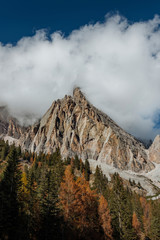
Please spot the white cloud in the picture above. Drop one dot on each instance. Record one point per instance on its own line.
(117, 65)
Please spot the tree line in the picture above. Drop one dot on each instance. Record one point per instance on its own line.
(45, 197)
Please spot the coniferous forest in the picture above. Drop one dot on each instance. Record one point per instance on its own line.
(43, 197)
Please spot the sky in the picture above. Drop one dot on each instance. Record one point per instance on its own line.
(19, 19)
(111, 49)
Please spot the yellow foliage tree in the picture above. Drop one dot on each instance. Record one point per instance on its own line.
(24, 189)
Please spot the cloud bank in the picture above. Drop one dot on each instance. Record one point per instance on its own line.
(116, 64)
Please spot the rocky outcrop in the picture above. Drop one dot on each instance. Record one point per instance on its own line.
(76, 127)
(154, 150)
(3, 120)
(10, 126)
(14, 129)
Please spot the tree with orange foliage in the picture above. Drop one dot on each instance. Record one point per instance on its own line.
(146, 215)
(87, 209)
(136, 225)
(105, 218)
(68, 195)
(79, 204)
(31, 160)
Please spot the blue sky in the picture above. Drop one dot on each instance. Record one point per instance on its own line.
(114, 59)
(23, 18)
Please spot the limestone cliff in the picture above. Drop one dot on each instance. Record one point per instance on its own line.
(154, 150)
(76, 127)
(10, 126)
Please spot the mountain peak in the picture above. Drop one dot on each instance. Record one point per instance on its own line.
(75, 126)
(78, 96)
(77, 90)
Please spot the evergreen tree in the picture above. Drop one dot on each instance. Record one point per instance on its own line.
(56, 156)
(19, 151)
(100, 182)
(87, 170)
(121, 210)
(81, 166)
(5, 151)
(155, 221)
(32, 202)
(77, 162)
(9, 198)
(32, 207)
(48, 200)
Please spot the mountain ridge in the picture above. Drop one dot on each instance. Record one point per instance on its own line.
(75, 126)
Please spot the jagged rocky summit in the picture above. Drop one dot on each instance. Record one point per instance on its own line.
(74, 126)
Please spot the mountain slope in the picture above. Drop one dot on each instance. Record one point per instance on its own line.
(76, 127)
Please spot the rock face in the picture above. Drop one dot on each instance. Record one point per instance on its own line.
(9, 126)
(74, 126)
(154, 150)
(3, 120)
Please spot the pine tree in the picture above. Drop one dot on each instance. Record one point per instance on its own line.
(87, 170)
(32, 206)
(121, 210)
(77, 163)
(5, 151)
(81, 166)
(58, 173)
(19, 151)
(47, 194)
(9, 198)
(155, 220)
(100, 182)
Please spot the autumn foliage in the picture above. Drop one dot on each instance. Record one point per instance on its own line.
(50, 199)
(146, 215)
(87, 205)
(136, 225)
(105, 218)
(68, 195)
(78, 201)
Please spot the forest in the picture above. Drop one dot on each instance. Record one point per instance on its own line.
(44, 197)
